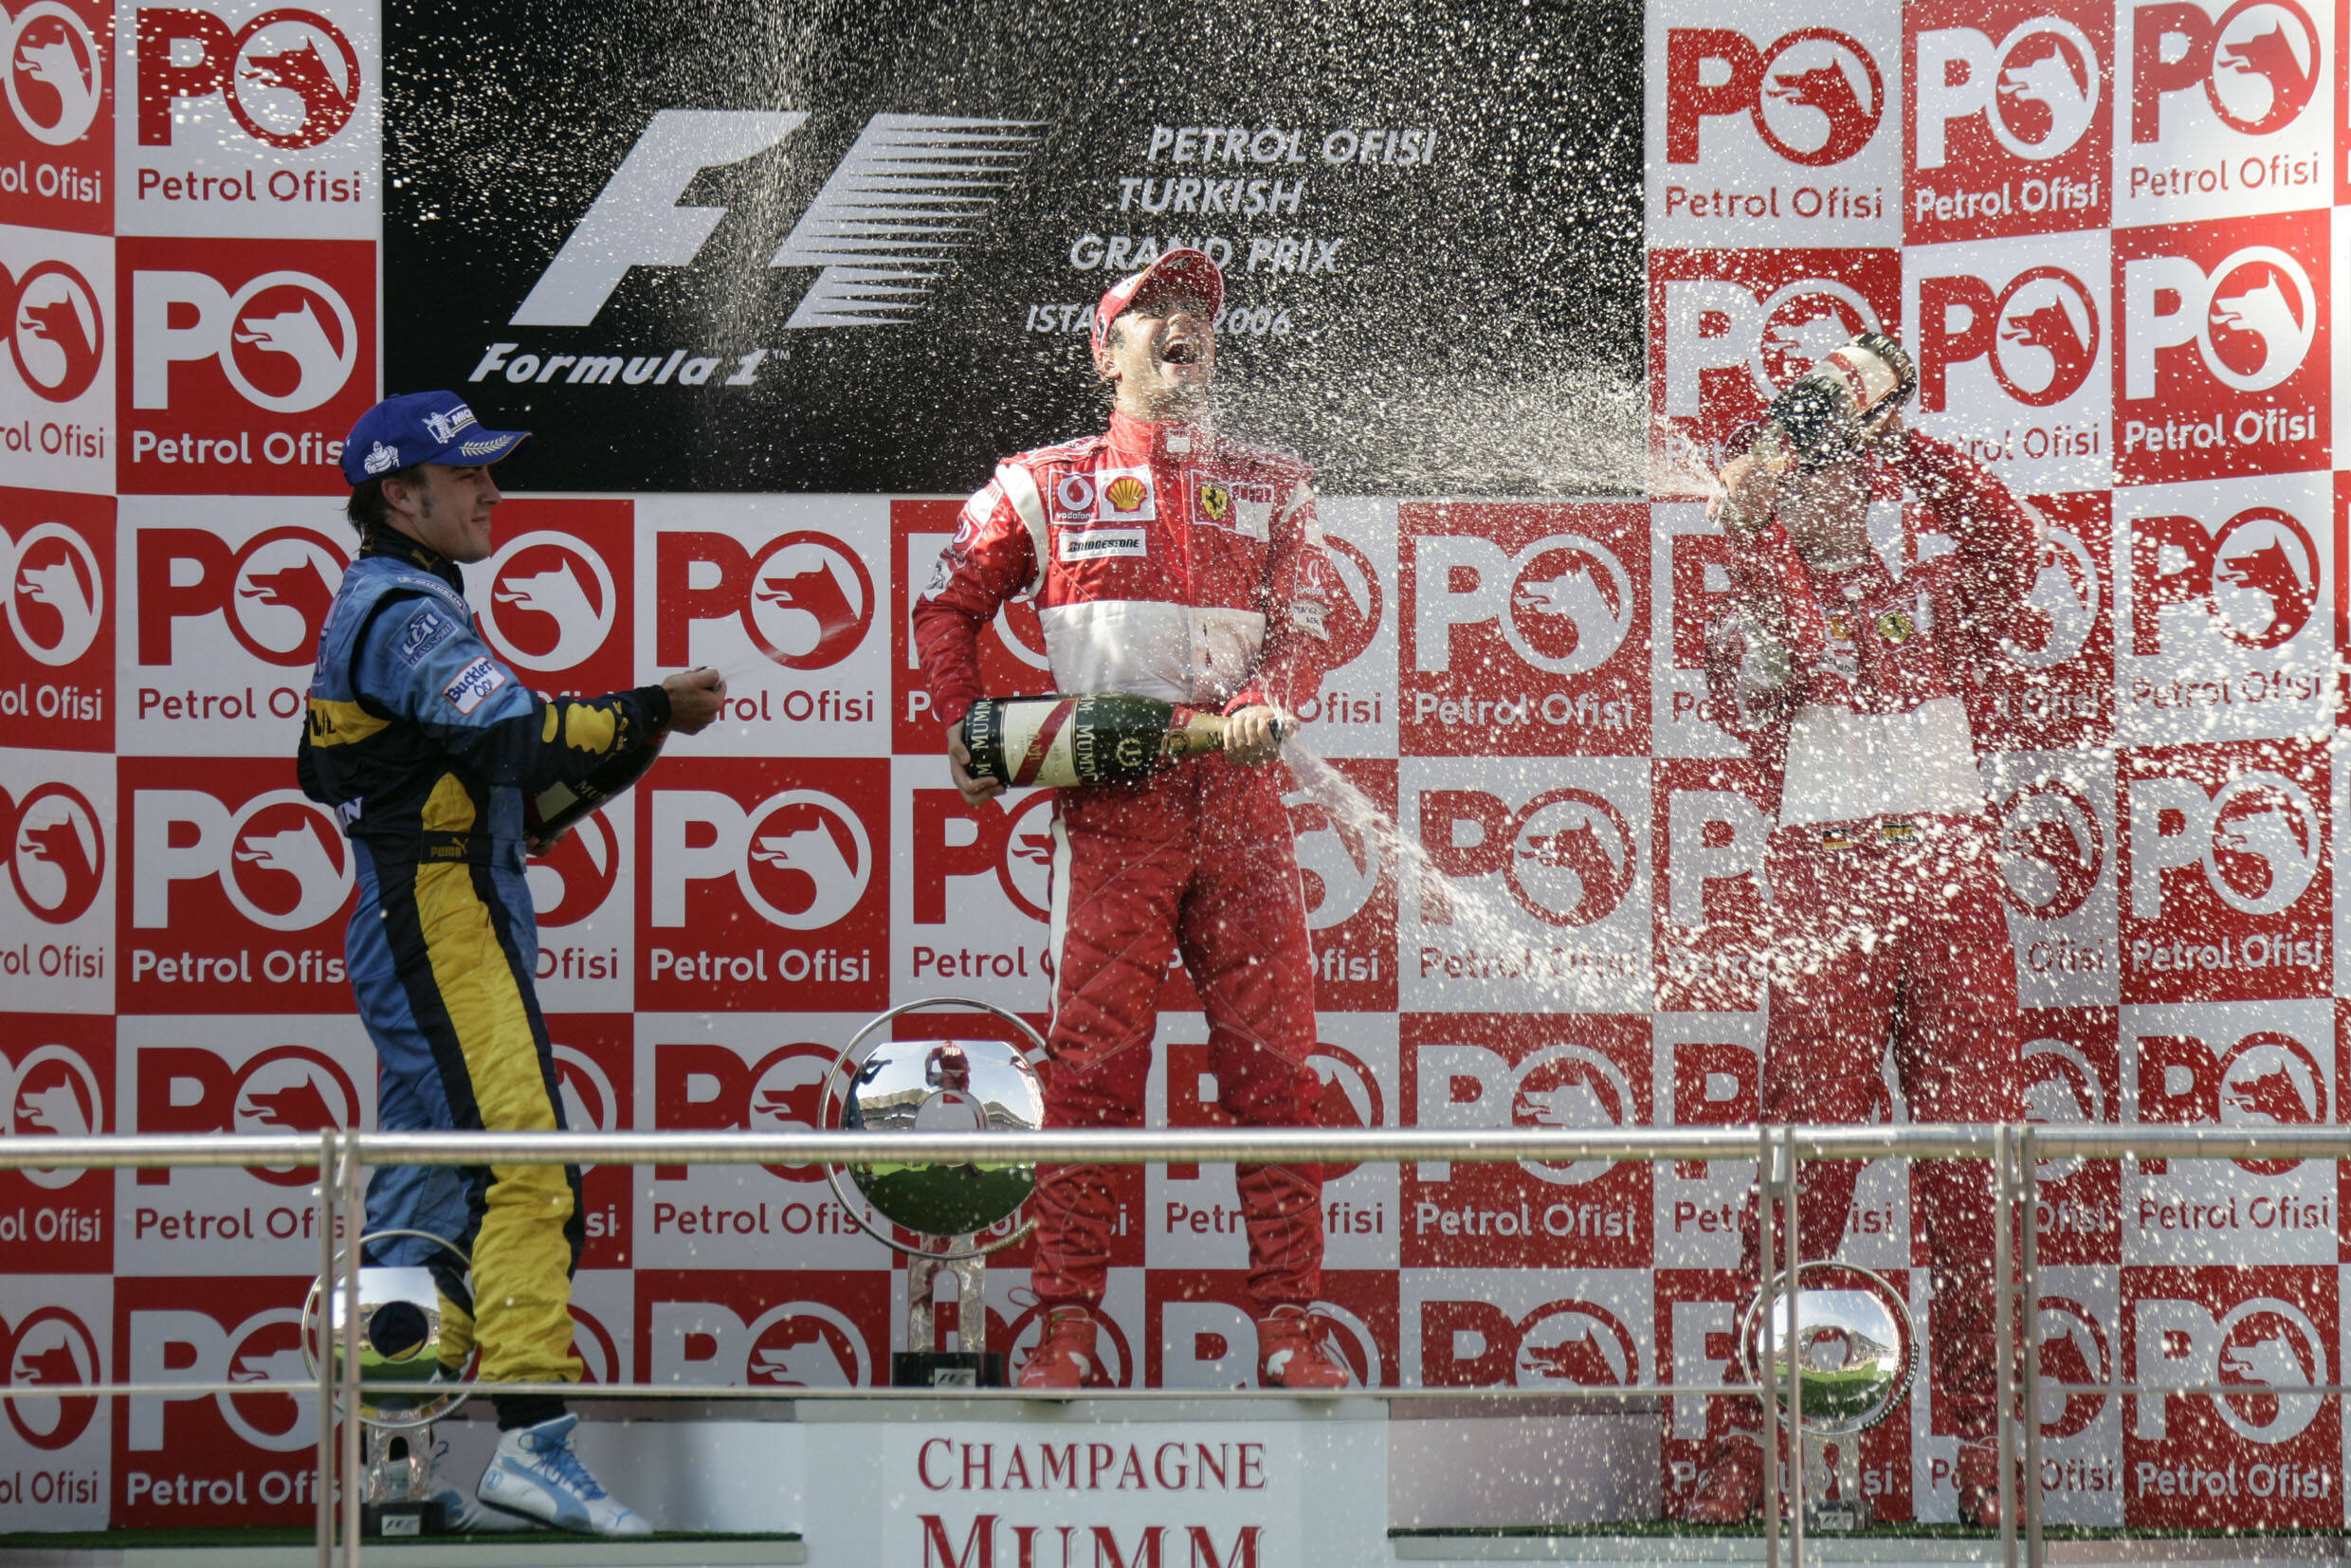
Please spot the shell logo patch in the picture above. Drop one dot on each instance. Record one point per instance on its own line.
(1216, 500)
(1125, 493)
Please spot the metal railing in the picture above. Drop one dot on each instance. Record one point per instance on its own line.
(2014, 1150)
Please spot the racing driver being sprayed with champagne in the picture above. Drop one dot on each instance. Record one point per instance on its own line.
(1858, 692)
(1170, 562)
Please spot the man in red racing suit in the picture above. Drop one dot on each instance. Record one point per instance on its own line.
(1164, 561)
(1854, 692)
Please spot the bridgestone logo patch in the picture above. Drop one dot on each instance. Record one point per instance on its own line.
(1087, 545)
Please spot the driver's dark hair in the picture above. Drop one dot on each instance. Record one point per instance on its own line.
(366, 508)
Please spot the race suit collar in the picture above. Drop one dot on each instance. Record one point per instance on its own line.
(1153, 437)
(384, 539)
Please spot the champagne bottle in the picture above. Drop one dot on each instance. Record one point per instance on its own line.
(556, 810)
(1060, 741)
(1820, 419)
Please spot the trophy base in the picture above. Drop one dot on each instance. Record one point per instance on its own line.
(947, 1369)
(404, 1521)
(1835, 1517)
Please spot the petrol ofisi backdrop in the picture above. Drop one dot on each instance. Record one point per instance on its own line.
(773, 285)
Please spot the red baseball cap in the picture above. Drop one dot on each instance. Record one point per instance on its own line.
(1190, 269)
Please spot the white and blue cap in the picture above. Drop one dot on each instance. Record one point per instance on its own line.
(428, 427)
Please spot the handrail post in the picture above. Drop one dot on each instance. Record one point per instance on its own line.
(354, 1225)
(2004, 1328)
(2029, 1174)
(329, 1180)
(1765, 1178)
(1792, 1221)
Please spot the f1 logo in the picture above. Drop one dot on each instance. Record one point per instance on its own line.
(898, 160)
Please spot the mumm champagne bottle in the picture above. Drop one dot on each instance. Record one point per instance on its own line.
(1822, 416)
(1060, 741)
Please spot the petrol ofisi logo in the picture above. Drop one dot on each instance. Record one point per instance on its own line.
(234, 892)
(243, 359)
(2009, 130)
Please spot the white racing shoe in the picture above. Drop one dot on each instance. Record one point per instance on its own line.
(465, 1512)
(536, 1474)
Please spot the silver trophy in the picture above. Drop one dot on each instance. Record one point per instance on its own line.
(956, 1214)
(1858, 1352)
(403, 1334)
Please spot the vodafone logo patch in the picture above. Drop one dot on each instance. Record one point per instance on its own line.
(289, 77)
(57, 330)
(57, 851)
(54, 591)
(55, 72)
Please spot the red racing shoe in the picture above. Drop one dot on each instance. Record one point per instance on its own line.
(1975, 1476)
(1064, 1354)
(1291, 1354)
(1730, 1487)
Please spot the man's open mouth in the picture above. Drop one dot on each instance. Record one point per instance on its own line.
(1181, 352)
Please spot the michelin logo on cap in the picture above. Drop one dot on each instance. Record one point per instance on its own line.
(383, 460)
(447, 423)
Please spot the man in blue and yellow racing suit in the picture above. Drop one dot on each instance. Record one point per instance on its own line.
(424, 745)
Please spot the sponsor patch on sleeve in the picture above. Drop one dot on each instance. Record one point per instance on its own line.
(426, 629)
(1252, 511)
(1093, 544)
(474, 684)
(1309, 616)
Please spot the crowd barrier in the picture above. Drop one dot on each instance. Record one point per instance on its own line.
(2014, 1150)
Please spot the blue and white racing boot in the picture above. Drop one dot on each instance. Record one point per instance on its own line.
(536, 1474)
(465, 1513)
